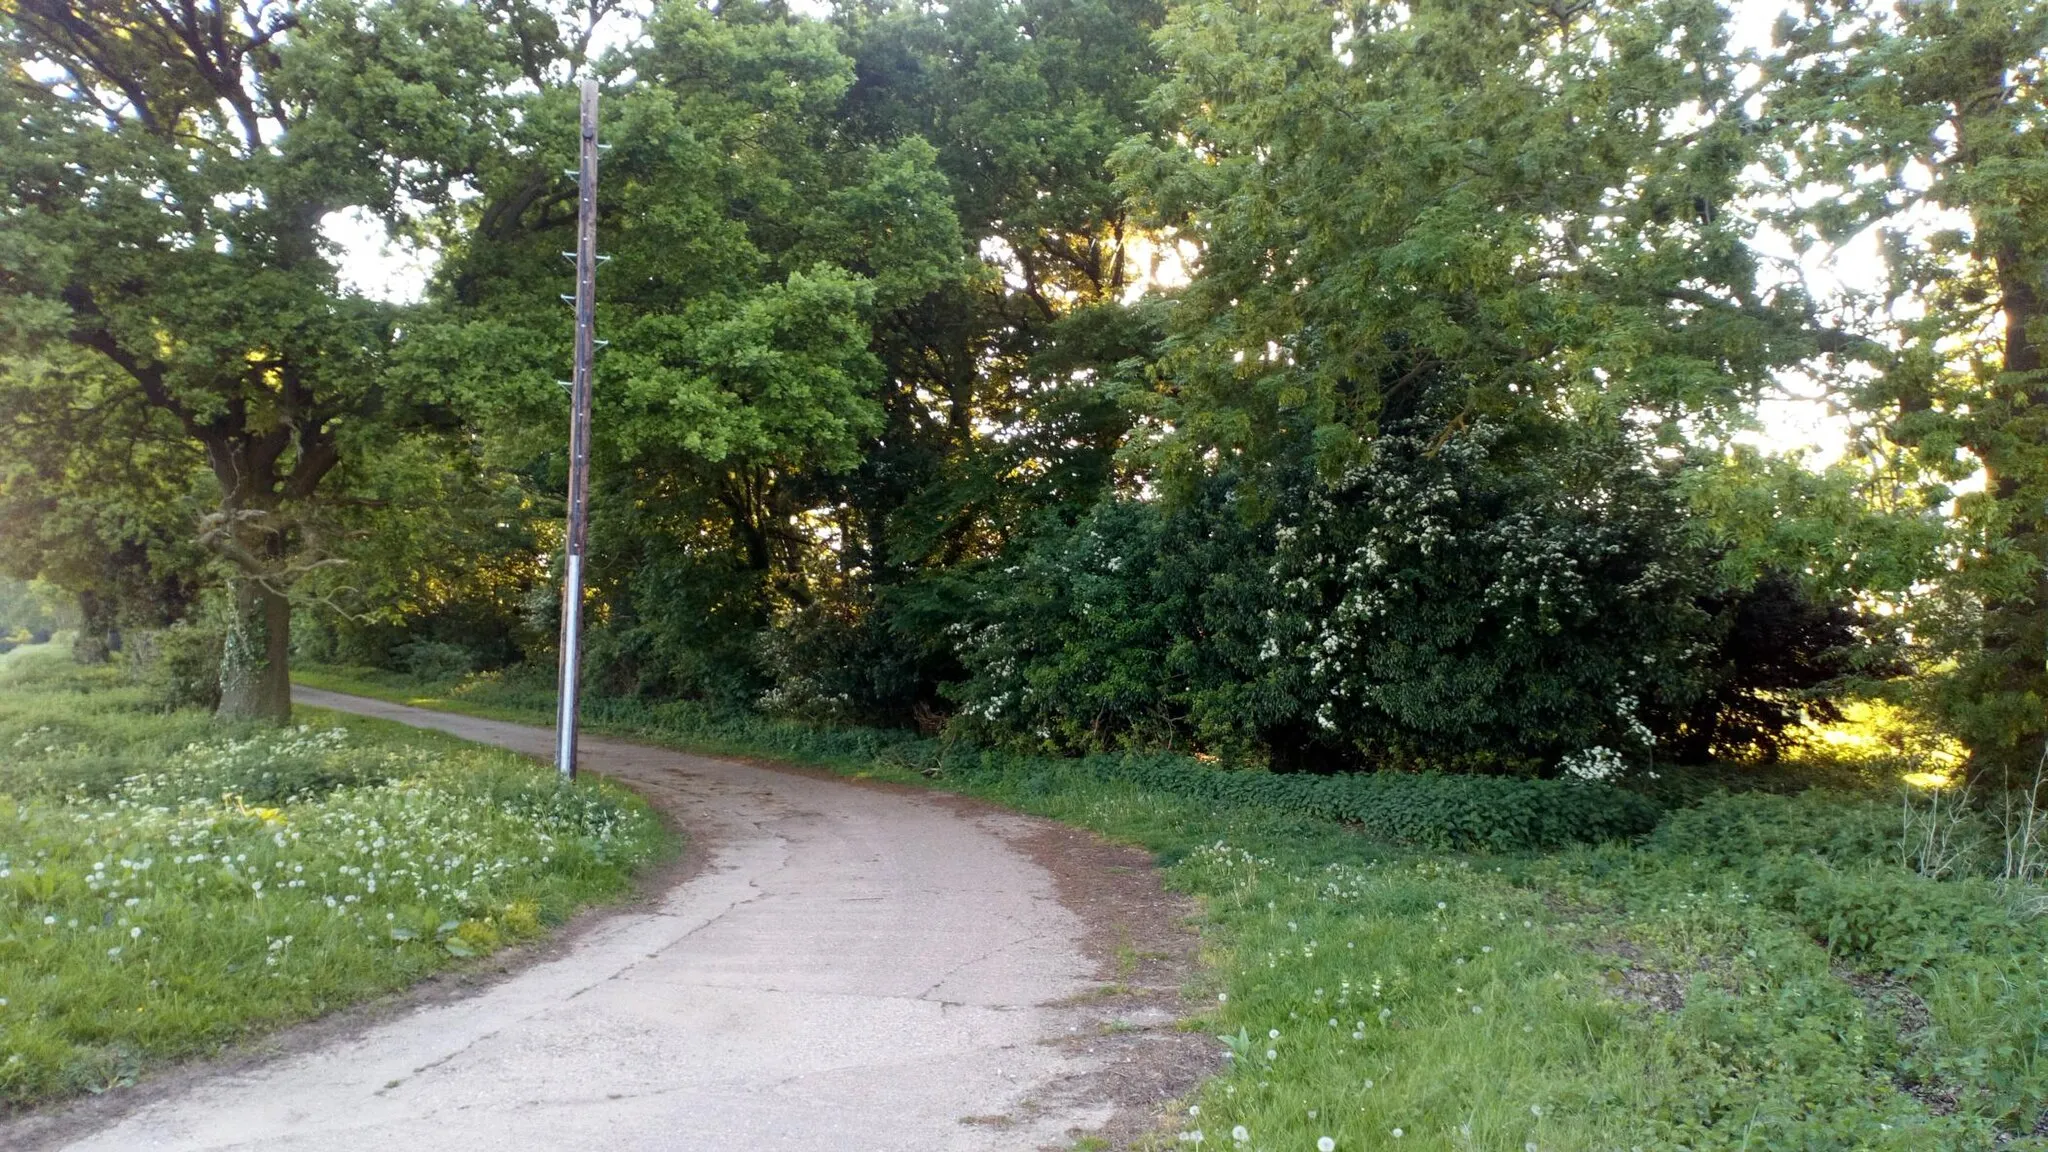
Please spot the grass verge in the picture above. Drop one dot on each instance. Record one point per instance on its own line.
(168, 885)
(1760, 973)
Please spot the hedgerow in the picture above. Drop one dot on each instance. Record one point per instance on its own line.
(1431, 810)
(1423, 809)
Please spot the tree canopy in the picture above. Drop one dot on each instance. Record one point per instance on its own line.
(1323, 386)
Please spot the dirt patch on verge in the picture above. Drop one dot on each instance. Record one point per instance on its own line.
(1638, 981)
(1890, 998)
(1139, 937)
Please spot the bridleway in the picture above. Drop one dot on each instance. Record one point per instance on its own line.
(853, 967)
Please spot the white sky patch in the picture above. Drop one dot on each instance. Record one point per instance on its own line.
(1800, 418)
(372, 264)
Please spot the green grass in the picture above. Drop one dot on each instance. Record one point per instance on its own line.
(168, 885)
(1759, 974)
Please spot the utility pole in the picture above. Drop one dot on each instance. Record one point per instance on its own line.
(579, 440)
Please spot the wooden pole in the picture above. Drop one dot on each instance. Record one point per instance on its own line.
(579, 441)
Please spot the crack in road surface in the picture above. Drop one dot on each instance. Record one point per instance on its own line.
(857, 969)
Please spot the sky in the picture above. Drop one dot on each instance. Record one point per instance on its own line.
(375, 266)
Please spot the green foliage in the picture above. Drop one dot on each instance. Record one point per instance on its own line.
(28, 608)
(834, 661)
(755, 249)
(1498, 599)
(1930, 125)
(1105, 633)
(1780, 658)
(111, 529)
(1424, 809)
(165, 282)
(1535, 204)
(433, 661)
(1818, 948)
(1529, 601)
(179, 667)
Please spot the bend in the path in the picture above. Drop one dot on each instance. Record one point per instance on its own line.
(854, 968)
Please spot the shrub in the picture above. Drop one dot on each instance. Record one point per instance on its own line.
(1839, 866)
(835, 659)
(433, 661)
(1083, 640)
(1514, 598)
(1780, 654)
(1736, 830)
(179, 667)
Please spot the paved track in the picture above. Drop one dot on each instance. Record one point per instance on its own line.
(854, 968)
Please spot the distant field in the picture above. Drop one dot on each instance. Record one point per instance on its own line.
(1762, 972)
(168, 885)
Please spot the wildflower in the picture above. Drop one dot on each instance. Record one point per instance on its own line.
(135, 933)
(1239, 1133)
(1325, 1144)
(1397, 1133)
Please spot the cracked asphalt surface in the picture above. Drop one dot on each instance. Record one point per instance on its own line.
(853, 968)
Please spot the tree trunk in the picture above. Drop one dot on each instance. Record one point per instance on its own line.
(255, 663)
(2014, 454)
(95, 626)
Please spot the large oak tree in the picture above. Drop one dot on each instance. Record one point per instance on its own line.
(165, 172)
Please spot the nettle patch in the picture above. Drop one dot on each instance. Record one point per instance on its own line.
(1497, 1003)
